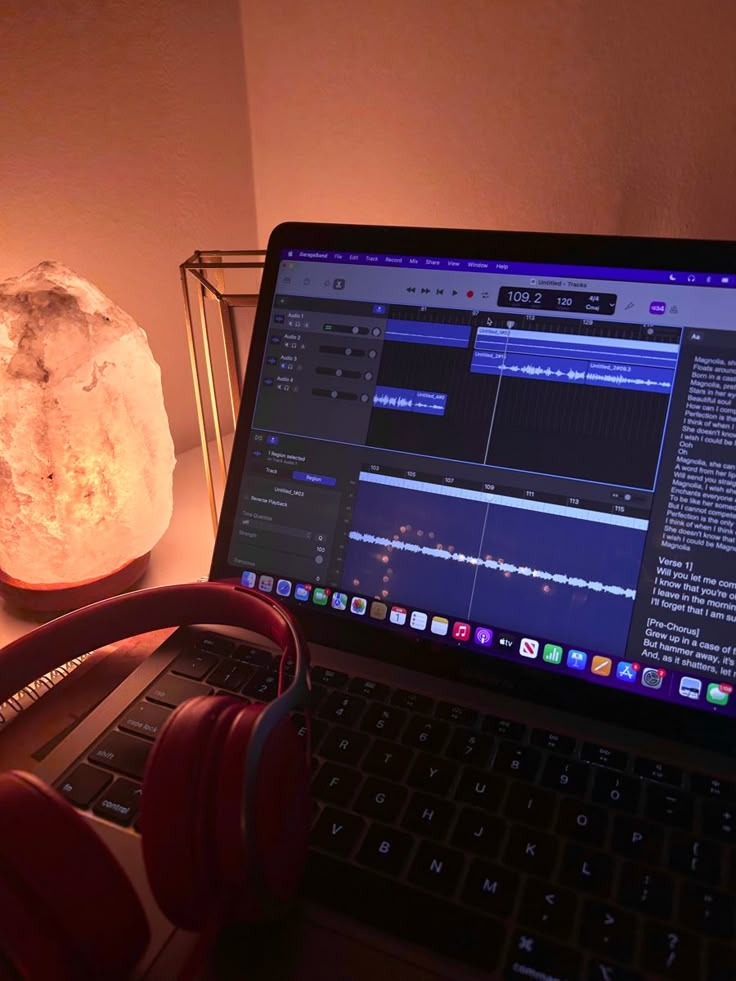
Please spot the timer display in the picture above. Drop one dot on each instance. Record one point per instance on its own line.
(567, 301)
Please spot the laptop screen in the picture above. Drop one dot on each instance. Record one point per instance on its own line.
(512, 458)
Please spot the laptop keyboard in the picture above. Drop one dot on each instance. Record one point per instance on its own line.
(523, 852)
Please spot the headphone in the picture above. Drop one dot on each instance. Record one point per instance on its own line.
(224, 811)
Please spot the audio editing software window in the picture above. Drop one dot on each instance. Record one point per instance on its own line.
(500, 466)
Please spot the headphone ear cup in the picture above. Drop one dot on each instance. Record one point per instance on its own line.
(68, 909)
(264, 871)
(177, 808)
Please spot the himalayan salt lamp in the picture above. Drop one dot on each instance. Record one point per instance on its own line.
(86, 456)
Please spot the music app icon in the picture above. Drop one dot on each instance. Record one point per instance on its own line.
(461, 631)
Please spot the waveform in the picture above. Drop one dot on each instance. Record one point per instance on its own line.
(588, 376)
(399, 402)
(506, 567)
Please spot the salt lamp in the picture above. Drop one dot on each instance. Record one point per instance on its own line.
(86, 456)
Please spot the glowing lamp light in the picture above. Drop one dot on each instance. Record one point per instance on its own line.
(86, 456)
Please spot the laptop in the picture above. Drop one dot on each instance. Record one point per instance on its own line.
(494, 476)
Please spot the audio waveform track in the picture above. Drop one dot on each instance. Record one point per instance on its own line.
(537, 573)
(497, 566)
(558, 369)
(407, 400)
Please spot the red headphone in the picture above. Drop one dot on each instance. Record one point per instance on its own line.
(224, 810)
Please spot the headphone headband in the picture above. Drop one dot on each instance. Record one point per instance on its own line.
(53, 644)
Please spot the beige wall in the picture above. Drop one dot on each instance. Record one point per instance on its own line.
(124, 145)
(568, 115)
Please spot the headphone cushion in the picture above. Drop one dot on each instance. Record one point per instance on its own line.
(65, 883)
(177, 809)
(264, 872)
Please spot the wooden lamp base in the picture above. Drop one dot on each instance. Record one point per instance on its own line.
(61, 597)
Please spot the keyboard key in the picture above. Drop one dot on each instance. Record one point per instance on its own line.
(713, 787)
(433, 774)
(645, 891)
(120, 803)
(546, 907)
(675, 807)
(637, 839)
(121, 752)
(455, 713)
(194, 664)
(263, 685)
(470, 747)
(383, 720)
(503, 727)
(671, 952)
(336, 784)
(521, 762)
(530, 805)
(144, 719)
(490, 888)
(608, 931)
(387, 760)
(412, 700)
(329, 677)
(385, 849)
(604, 970)
(436, 868)
(344, 745)
(215, 644)
(339, 707)
(172, 691)
(427, 734)
(478, 832)
(318, 729)
(337, 831)
(604, 756)
(411, 914)
(83, 785)
(255, 656)
(428, 816)
(480, 788)
(372, 690)
(544, 739)
(587, 870)
(584, 822)
(697, 859)
(566, 775)
(615, 790)
(719, 820)
(706, 909)
(659, 772)
(380, 799)
(533, 956)
(531, 851)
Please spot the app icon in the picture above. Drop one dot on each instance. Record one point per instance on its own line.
(461, 631)
(398, 615)
(528, 647)
(690, 687)
(266, 584)
(248, 579)
(718, 694)
(339, 601)
(625, 671)
(321, 597)
(283, 587)
(505, 641)
(652, 677)
(439, 626)
(552, 654)
(302, 591)
(378, 610)
(577, 660)
(483, 636)
(358, 606)
(418, 620)
(601, 666)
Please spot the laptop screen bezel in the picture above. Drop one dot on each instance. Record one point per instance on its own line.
(679, 723)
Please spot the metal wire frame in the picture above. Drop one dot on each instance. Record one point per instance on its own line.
(202, 277)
